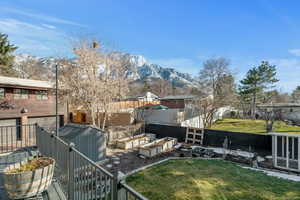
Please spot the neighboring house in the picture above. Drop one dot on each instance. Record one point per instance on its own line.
(287, 111)
(149, 96)
(176, 102)
(24, 101)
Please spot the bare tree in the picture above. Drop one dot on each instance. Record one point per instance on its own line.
(213, 70)
(204, 109)
(269, 114)
(95, 79)
(216, 89)
(31, 68)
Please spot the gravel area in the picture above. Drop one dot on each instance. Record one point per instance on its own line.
(126, 161)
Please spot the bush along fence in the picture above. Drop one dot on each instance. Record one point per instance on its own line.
(244, 141)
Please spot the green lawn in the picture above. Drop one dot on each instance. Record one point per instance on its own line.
(192, 179)
(252, 126)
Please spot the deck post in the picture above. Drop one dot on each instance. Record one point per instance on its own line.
(299, 153)
(115, 183)
(71, 168)
(282, 147)
(287, 152)
(275, 148)
(293, 148)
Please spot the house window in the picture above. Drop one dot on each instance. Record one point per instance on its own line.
(21, 94)
(41, 95)
(2, 93)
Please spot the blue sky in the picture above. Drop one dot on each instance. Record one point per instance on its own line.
(173, 33)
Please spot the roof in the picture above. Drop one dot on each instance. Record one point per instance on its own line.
(146, 95)
(154, 107)
(71, 131)
(280, 105)
(173, 97)
(10, 81)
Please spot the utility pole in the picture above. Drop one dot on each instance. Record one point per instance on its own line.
(56, 100)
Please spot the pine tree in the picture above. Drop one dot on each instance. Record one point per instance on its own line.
(296, 95)
(6, 57)
(257, 80)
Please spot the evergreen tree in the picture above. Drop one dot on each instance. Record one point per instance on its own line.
(296, 95)
(6, 57)
(257, 80)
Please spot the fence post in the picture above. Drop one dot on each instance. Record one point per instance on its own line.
(71, 173)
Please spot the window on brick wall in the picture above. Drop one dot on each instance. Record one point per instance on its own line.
(21, 94)
(2, 93)
(41, 94)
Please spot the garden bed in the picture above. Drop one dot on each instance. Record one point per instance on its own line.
(210, 179)
(133, 142)
(157, 147)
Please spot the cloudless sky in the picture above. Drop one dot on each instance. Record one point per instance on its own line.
(173, 33)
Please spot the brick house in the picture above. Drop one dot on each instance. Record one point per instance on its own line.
(24, 101)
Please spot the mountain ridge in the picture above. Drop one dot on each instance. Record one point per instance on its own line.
(141, 71)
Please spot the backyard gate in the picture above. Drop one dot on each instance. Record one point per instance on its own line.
(286, 151)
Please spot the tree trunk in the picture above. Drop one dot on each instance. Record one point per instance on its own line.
(104, 121)
(93, 116)
(269, 126)
(253, 110)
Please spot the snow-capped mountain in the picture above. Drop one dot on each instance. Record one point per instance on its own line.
(142, 70)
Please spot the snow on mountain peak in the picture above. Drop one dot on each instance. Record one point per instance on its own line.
(138, 60)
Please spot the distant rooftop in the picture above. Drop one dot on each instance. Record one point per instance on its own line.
(178, 97)
(280, 105)
(147, 95)
(10, 81)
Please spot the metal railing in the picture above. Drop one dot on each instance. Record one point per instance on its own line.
(17, 137)
(127, 193)
(79, 176)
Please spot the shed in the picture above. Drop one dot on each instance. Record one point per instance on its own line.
(87, 139)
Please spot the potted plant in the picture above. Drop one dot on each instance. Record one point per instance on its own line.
(29, 178)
